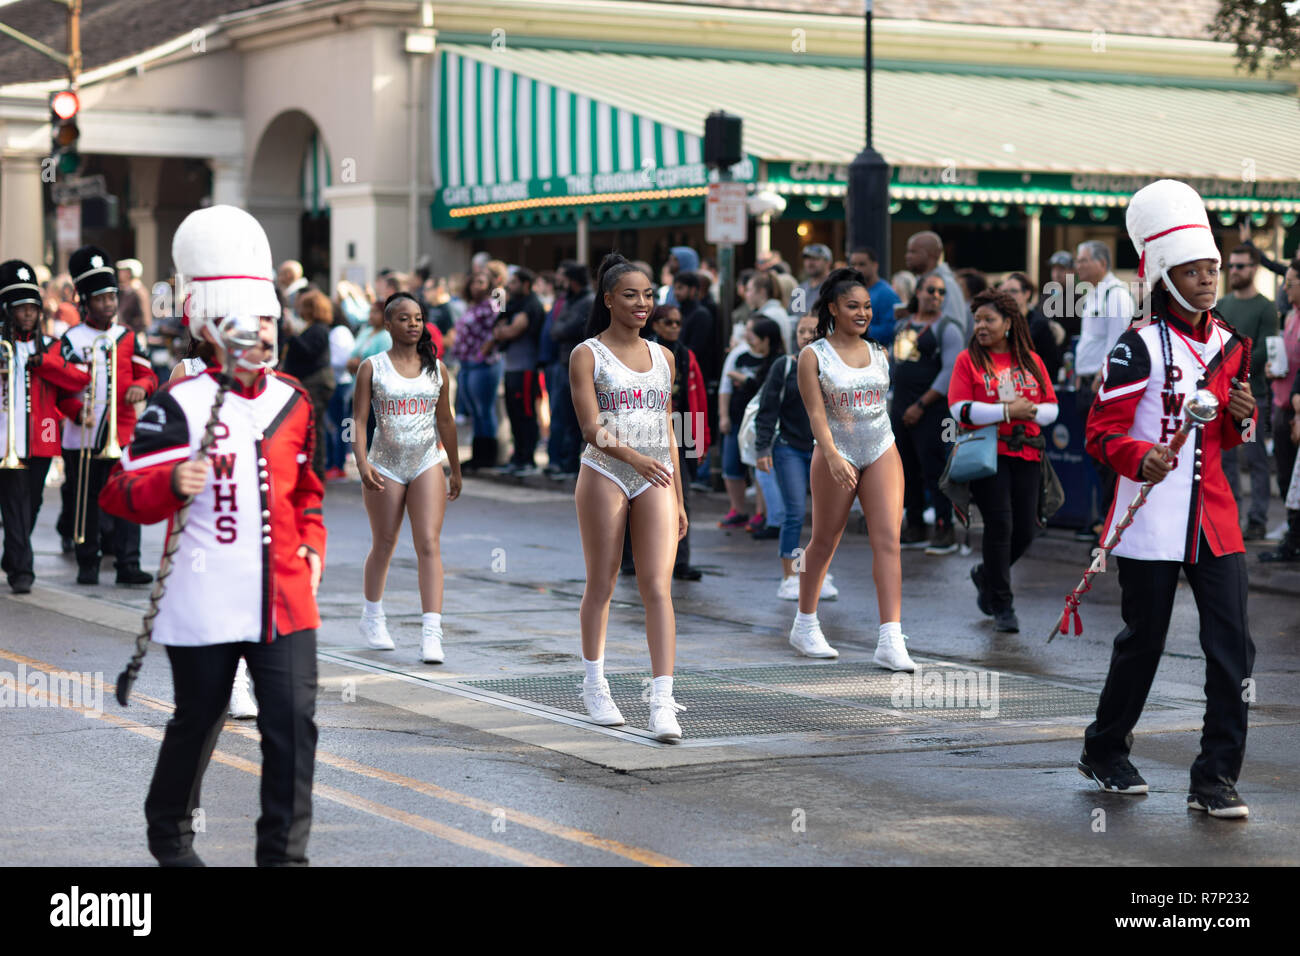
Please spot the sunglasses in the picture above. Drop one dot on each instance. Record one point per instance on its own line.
(671, 323)
(937, 290)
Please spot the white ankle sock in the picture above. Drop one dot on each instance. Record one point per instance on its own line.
(595, 669)
(805, 622)
(892, 629)
(372, 608)
(663, 686)
(431, 620)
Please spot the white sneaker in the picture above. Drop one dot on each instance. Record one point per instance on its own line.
(375, 631)
(431, 645)
(829, 591)
(600, 705)
(789, 589)
(891, 654)
(242, 705)
(663, 719)
(811, 643)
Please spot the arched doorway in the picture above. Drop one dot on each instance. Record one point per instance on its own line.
(289, 174)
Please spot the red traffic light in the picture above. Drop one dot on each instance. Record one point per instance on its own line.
(65, 104)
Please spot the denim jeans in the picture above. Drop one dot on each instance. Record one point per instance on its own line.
(481, 381)
(565, 442)
(340, 408)
(772, 496)
(791, 467)
(732, 467)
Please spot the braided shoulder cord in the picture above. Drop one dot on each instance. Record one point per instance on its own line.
(126, 679)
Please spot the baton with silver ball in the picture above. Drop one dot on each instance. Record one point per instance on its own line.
(1202, 407)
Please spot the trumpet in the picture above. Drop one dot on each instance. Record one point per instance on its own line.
(11, 461)
(112, 450)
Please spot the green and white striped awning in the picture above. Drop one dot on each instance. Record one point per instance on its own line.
(507, 142)
(315, 176)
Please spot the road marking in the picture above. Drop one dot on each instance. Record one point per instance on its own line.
(541, 824)
(441, 830)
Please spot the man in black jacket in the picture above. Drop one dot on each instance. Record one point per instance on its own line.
(567, 331)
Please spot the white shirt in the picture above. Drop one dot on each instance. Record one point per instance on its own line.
(1107, 312)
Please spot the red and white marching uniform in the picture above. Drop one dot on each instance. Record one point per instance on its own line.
(132, 368)
(41, 388)
(261, 503)
(1134, 412)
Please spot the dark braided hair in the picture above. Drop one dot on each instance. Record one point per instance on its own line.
(612, 268)
(424, 348)
(1022, 348)
(837, 283)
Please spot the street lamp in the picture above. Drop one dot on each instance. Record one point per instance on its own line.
(867, 201)
(763, 206)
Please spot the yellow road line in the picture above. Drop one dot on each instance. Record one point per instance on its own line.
(441, 830)
(541, 824)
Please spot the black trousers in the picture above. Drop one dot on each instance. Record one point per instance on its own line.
(522, 392)
(1284, 450)
(683, 559)
(1148, 588)
(284, 680)
(123, 535)
(20, 501)
(1008, 502)
(924, 455)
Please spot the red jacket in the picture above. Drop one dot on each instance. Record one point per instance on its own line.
(237, 574)
(697, 403)
(41, 387)
(1132, 414)
(133, 368)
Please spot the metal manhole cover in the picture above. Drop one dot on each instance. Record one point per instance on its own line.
(840, 698)
(937, 689)
(715, 707)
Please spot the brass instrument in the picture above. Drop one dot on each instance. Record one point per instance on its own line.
(112, 450)
(11, 461)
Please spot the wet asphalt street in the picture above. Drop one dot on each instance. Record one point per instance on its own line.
(484, 761)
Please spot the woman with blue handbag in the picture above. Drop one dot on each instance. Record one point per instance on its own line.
(1000, 382)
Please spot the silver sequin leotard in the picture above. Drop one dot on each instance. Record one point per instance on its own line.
(634, 408)
(406, 422)
(855, 403)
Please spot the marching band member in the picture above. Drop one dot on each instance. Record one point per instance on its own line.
(1189, 522)
(200, 355)
(255, 520)
(132, 380)
(41, 378)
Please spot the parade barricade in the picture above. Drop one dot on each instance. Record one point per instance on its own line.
(1065, 448)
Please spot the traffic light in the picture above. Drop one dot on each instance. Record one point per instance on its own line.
(64, 107)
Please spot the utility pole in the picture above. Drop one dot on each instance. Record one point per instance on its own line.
(868, 193)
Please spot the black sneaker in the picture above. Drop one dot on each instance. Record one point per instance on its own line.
(944, 540)
(174, 858)
(88, 575)
(977, 577)
(1220, 801)
(687, 573)
(1006, 621)
(1285, 554)
(133, 575)
(1254, 532)
(1114, 776)
(914, 536)
(22, 583)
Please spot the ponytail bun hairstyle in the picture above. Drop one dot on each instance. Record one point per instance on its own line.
(612, 268)
(837, 283)
(424, 348)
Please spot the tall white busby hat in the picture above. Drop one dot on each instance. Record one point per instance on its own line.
(223, 261)
(1168, 225)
